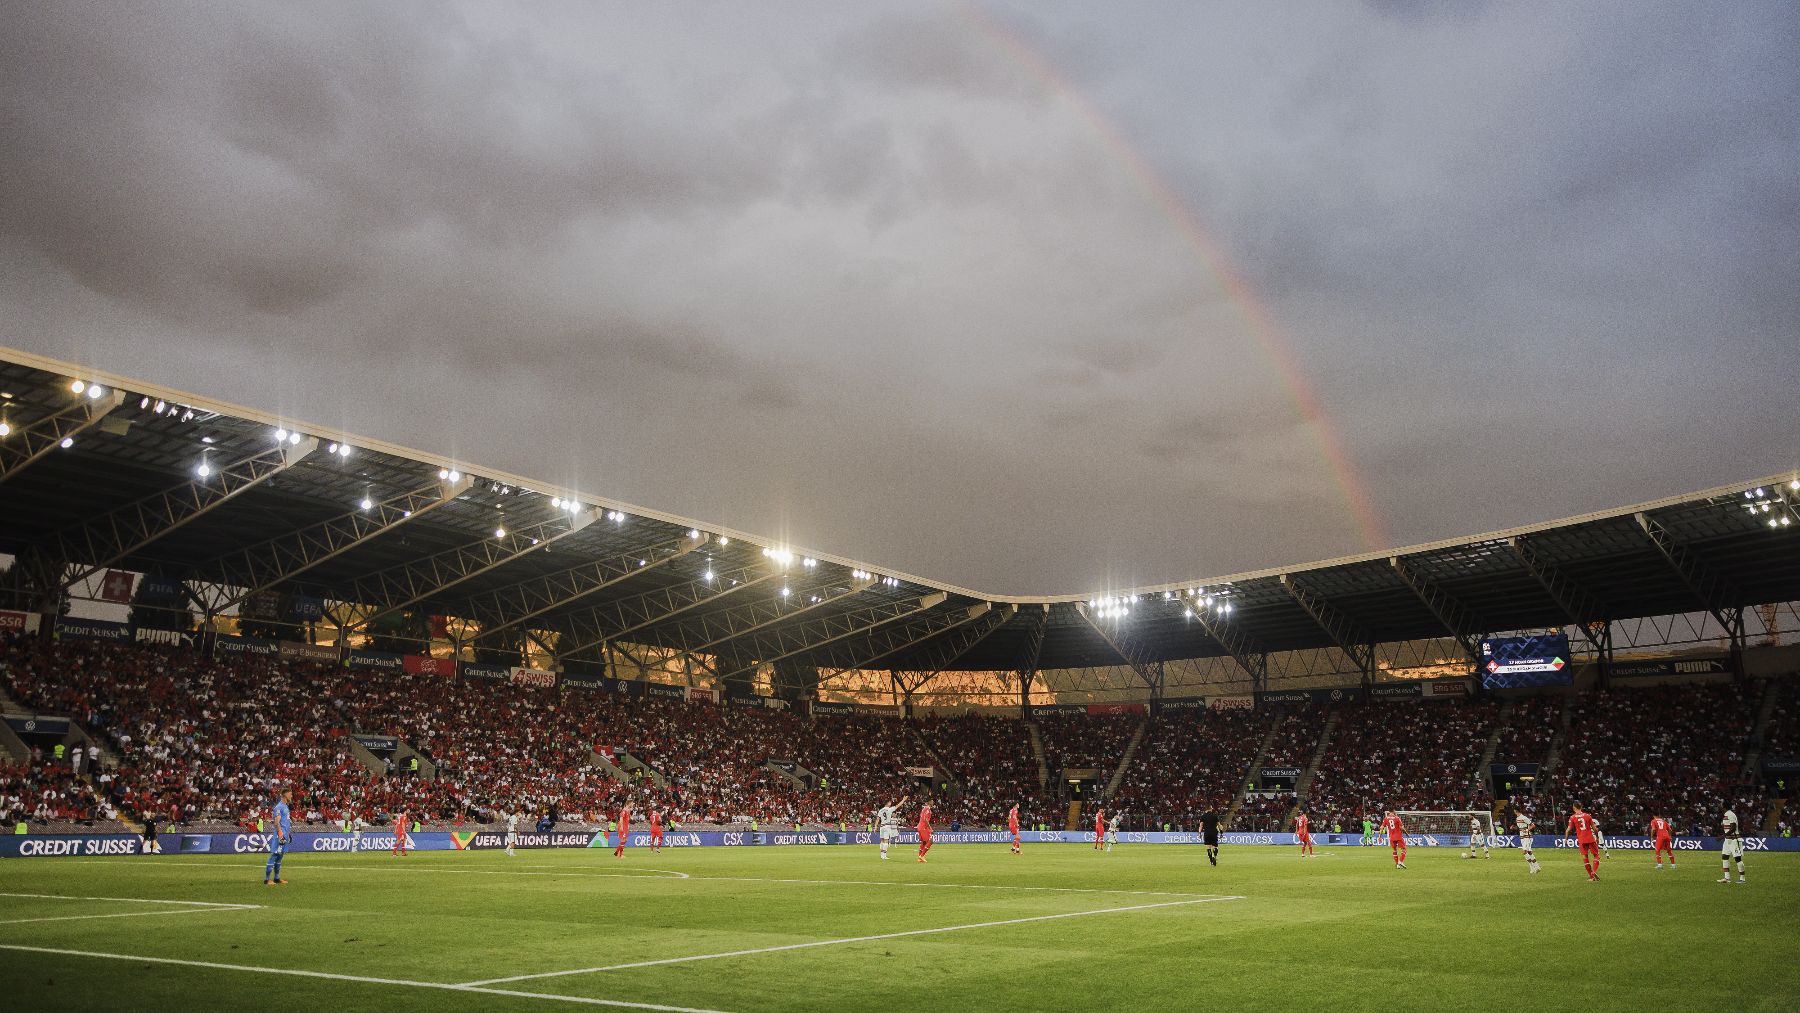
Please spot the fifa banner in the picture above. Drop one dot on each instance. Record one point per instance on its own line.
(246, 646)
(294, 650)
(88, 845)
(69, 628)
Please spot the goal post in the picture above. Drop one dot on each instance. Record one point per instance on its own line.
(1446, 822)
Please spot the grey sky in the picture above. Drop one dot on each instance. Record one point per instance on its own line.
(896, 282)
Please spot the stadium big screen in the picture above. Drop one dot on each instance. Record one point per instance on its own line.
(1514, 662)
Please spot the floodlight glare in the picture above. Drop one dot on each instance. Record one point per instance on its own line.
(455, 476)
(204, 469)
(67, 442)
(5, 428)
(365, 503)
(294, 439)
(499, 532)
(160, 405)
(280, 435)
(95, 391)
(78, 386)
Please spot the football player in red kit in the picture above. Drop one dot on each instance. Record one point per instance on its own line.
(1099, 828)
(1396, 835)
(1012, 824)
(1664, 837)
(924, 830)
(624, 829)
(1581, 827)
(400, 833)
(655, 830)
(1303, 832)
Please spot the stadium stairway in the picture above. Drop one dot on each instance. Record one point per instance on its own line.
(1773, 820)
(1302, 786)
(937, 761)
(1074, 821)
(1493, 743)
(630, 763)
(1759, 732)
(607, 767)
(1553, 755)
(1037, 752)
(1249, 775)
(1131, 748)
(361, 754)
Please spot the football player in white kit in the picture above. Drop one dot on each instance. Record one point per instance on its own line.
(512, 830)
(1731, 847)
(1477, 839)
(1112, 829)
(1523, 822)
(887, 822)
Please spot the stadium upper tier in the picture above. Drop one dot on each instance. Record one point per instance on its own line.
(147, 478)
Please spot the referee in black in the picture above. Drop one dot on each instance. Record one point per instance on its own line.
(1209, 834)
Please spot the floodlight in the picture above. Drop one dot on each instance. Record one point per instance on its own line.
(5, 428)
(204, 469)
(499, 532)
(280, 436)
(78, 386)
(95, 390)
(67, 442)
(365, 503)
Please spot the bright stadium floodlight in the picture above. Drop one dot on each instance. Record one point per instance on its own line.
(693, 533)
(332, 449)
(499, 532)
(280, 436)
(144, 402)
(5, 428)
(77, 386)
(95, 390)
(67, 442)
(160, 405)
(784, 592)
(204, 469)
(709, 574)
(294, 439)
(344, 451)
(455, 476)
(443, 473)
(724, 542)
(365, 502)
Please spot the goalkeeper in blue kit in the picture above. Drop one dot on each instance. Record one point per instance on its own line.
(278, 842)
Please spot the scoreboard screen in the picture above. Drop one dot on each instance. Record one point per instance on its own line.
(1513, 662)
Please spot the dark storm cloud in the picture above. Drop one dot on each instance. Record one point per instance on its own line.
(935, 287)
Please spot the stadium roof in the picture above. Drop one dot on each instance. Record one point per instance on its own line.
(463, 539)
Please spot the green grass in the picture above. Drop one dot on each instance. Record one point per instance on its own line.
(1344, 930)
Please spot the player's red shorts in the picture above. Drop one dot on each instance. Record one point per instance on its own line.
(1305, 838)
(1589, 848)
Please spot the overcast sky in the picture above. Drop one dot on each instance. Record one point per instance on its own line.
(997, 294)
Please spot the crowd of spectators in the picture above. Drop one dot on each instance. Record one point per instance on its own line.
(1672, 751)
(1401, 756)
(1189, 762)
(991, 756)
(201, 742)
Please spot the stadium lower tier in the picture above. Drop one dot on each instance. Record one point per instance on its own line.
(199, 743)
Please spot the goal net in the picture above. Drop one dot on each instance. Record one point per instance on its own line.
(1447, 822)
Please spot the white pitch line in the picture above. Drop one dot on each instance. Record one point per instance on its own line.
(125, 914)
(128, 900)
(839, 942)
(672, 874)
(403, 982)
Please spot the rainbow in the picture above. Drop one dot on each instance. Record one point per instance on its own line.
(1255, 313)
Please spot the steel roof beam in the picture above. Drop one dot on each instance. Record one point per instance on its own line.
(28, 444)
(1251, 656)
(943, 651)
(1713, 590)
(612, 621)
(1456, 619)
(267, 564)
(1346, 633)
(1578, 607)
(407, 584)
(1126, 647)
(506, 607)
(778, 643)
(96, 544)
(943, 637)
(722, 626)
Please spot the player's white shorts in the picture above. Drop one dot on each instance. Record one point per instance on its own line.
(1525, 842)
(1732, 847)
(511, 838)
(1477, 841)
(890, 833)
(1112, 837)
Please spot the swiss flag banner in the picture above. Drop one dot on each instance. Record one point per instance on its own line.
(116, 586)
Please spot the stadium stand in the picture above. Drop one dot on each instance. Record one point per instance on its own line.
(1189, 761)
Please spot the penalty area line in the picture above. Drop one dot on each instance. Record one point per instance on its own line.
(331, 976)
(186, 907)
(852, 939)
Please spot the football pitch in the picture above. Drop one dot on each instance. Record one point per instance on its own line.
(816, 928)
